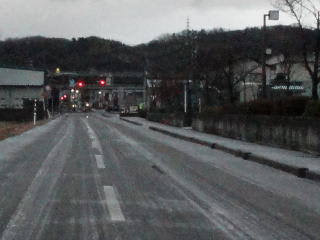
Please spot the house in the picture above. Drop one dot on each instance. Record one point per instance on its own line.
(18, 85)
(289, 76)
(127, 88)
(283, 78)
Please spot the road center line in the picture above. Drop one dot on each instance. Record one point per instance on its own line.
(94, 139)
(113, 204)
(100, 162)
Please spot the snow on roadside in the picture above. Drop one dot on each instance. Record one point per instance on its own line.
(282, 155)
(278, 182)
(13, 144)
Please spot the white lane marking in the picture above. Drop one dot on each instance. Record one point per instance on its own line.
(92, 135)
(113, 204)
(27, 215)
(100, 162)
(95, 144)
(219, 218)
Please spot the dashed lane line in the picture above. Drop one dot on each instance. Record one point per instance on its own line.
(113, 204)
(99, 160)
(111, 200)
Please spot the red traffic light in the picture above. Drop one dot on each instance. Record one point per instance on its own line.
(102, 82)
(80, 84)
(62, 98)
(65, 96)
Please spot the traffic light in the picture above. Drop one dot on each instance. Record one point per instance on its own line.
(102, 82)
(81, 84)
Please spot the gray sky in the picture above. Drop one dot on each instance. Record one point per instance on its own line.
(130, 21)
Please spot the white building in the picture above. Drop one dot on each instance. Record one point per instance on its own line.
(17, 85)
(276, 67)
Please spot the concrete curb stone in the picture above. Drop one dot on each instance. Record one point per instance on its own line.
(248, 156)
(297, 171)
(132, 122)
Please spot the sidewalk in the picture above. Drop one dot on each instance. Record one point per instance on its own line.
(298, 163)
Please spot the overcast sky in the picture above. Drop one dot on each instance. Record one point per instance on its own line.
(129, 21)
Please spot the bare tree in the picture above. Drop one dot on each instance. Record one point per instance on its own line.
(242, 70)
(300, 9)
(287, 62)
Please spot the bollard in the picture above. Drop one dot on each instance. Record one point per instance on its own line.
(35, 112)
(246, 155)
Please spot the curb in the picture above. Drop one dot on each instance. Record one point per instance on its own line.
(297, 171)
(132, 122)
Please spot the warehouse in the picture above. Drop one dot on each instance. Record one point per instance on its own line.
(18, 85)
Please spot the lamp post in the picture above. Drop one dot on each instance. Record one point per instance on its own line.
(272, 15)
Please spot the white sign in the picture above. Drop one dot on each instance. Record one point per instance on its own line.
(72, 83)
(133, 108)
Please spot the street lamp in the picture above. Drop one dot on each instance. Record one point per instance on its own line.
(272, 15)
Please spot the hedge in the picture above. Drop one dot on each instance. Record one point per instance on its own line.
(290, 106)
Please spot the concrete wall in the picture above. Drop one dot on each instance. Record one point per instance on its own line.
(292, 133)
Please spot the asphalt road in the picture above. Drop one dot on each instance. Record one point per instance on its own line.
(90, 176)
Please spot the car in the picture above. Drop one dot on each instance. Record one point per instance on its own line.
(86, 107)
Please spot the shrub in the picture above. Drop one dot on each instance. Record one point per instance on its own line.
(213, 110)
(290, 106)
(142, 113)
(312, 109)
(23, 115)
(258, 107)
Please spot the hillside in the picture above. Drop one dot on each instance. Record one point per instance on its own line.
(169, 55)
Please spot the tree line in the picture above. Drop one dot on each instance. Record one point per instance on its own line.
(208, 57)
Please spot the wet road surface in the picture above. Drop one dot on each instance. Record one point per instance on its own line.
(98, 177)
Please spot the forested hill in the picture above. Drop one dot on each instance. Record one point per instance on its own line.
(169, 53)
(70, 55)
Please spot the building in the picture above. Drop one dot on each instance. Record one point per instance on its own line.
(18, 85)
(120, 89)
(283, 78)
(127, 88)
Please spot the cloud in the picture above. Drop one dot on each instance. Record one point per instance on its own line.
(131, 21)
(230, 3)
(177, 4)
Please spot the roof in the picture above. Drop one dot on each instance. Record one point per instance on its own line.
(19, 77)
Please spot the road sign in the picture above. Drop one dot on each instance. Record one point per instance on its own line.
(72, 82)
(274, 15)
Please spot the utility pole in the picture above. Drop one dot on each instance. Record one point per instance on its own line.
(190, 73)
(315, 81)
(264, 77)
(272, 15)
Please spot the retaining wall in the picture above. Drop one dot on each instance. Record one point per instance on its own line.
(292, 133)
